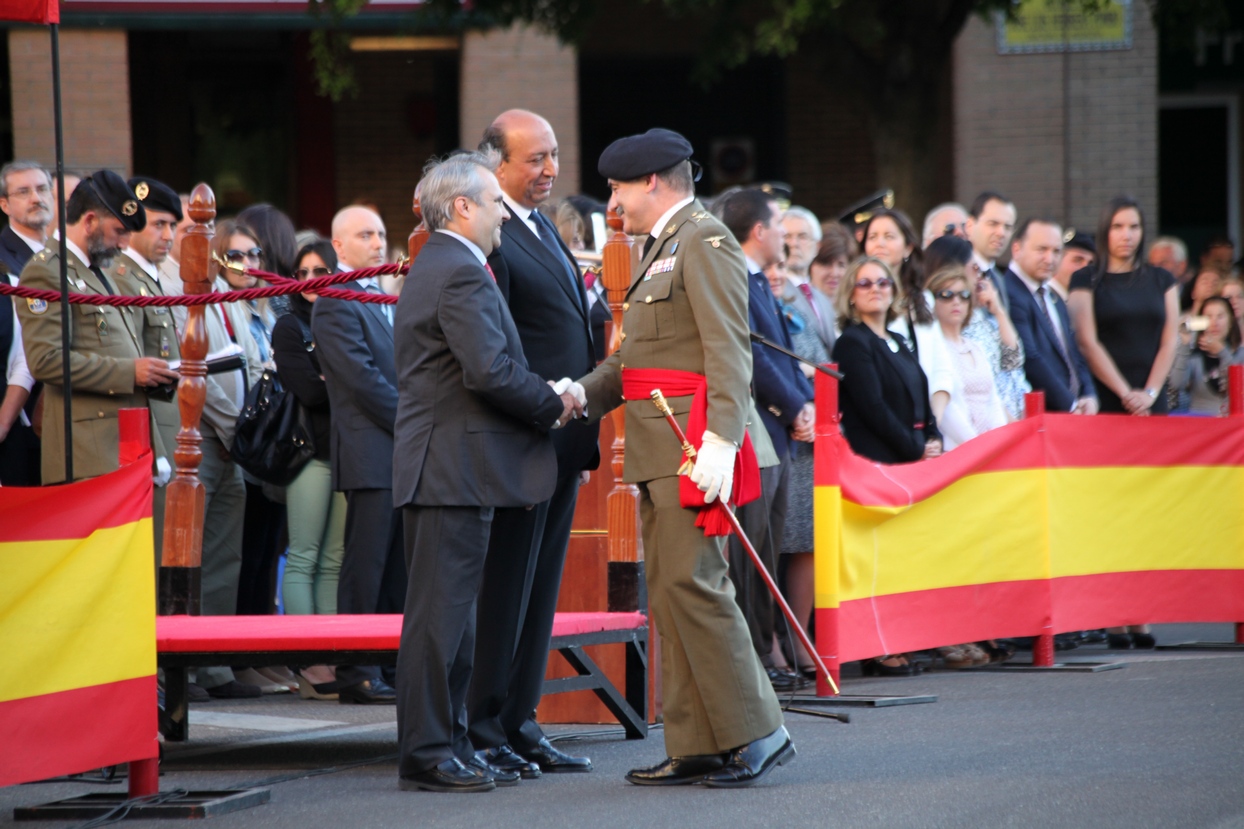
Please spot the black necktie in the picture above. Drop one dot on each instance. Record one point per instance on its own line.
(95, 269)
(546, 234)
(1059, 335)
(648, 244)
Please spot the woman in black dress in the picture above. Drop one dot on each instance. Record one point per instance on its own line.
(1126, 316)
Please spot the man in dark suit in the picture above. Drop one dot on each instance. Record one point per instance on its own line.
(471, 435)
(354, 341)
(1053, 362)
(26, 198)
(990, 223)
(784, 400)
(540, 280)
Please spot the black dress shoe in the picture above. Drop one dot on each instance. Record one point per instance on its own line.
(233, 690)
(783, 680)
(550, 760)
(1119, 641)
(677, 771)
(449, 776)
(502, 777)
(368, 692)
(750, 763)
(506, 759)
(196, 693)
(1144, 641)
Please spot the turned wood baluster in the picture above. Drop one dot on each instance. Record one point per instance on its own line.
(419, 236)
(183, 512)
(626, 588)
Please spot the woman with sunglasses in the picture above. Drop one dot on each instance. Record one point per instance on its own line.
(317, 514)
(884, 395)
(975, 406)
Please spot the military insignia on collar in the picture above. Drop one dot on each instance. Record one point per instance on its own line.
(141, 190)
(129, 208)
(37, 306)
(715, 241)
(670, 230)
(660, 266)
(700, 216)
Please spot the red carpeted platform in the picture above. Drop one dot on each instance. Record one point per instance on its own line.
(187, 642)
(241, 634)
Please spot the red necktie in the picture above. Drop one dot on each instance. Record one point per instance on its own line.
(806, 290)
(488, 268)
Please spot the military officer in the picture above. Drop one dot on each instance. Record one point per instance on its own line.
(685, 330)
(107, 366)
(135, 271)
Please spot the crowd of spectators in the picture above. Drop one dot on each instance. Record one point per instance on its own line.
(939, 336)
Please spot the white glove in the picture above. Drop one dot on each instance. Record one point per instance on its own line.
(576, 391)
(713, 472)
(164, 472)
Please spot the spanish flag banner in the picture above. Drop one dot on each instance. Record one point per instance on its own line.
(77, 619)
(1051, 524)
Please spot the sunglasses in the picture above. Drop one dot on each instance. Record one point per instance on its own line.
(303, 273)
(882, 283)
(949, 295)
(239, 255)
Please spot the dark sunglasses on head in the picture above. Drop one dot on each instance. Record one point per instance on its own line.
(882, 283)
(239, 255)
(303, 273)
(949, 295)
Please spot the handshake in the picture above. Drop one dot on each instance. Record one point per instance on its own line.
(574, 400)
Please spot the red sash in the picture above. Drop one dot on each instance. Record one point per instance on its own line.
(638, 383)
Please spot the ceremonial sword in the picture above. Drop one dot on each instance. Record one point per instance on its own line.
(659, 401)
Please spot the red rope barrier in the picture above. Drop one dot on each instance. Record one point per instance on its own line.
(282, 286)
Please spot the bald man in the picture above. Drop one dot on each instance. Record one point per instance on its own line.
(354, 342)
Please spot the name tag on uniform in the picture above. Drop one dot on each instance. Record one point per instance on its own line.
(660, 266)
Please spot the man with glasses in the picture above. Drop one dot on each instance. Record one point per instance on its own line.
(26, 198)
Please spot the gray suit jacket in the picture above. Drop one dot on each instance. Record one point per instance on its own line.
(354, 342)
(472, 421)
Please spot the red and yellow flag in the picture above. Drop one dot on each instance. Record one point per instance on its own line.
(1051, 524)
(77, 623)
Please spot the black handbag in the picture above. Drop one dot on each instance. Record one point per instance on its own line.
(274, 439)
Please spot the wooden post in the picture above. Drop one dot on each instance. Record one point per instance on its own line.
(626, 584)
(419, 236)
(1043, 645)
(827, 524)
(184, 501)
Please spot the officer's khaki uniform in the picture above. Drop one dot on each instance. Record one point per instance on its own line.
(159, 339)
(692, 317)
(104, 343)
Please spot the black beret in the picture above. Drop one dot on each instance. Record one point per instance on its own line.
(1076, 239)
(859, 213)
(156, 195)
(119, 198)
(638, 155)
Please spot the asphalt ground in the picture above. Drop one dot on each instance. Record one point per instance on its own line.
(1157, 743)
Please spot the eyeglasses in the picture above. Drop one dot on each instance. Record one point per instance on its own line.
(239, 255)
(883, 283)
(947, 296)
(303, 273)
(24, 192)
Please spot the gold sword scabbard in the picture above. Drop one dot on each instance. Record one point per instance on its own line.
(688, 451)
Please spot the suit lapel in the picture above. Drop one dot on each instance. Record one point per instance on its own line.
(516, 231)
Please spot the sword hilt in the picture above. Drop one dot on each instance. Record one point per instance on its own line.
(688, 451)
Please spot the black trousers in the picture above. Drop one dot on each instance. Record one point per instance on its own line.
(445, 552)
(373, 568)
(764, 521)
(263, 537)
(518, 599)
(20, 456)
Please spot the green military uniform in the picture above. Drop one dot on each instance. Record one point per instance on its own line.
(158, 336)
(686, 309)
(104, 343)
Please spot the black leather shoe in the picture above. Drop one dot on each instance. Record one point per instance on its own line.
(750, 763)
(550, 760)
(196, 693)
(449, 776)
(677, 771)
(502, 777)
(506, 759)
(368, 692)
(233, 690)
(782, 680)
